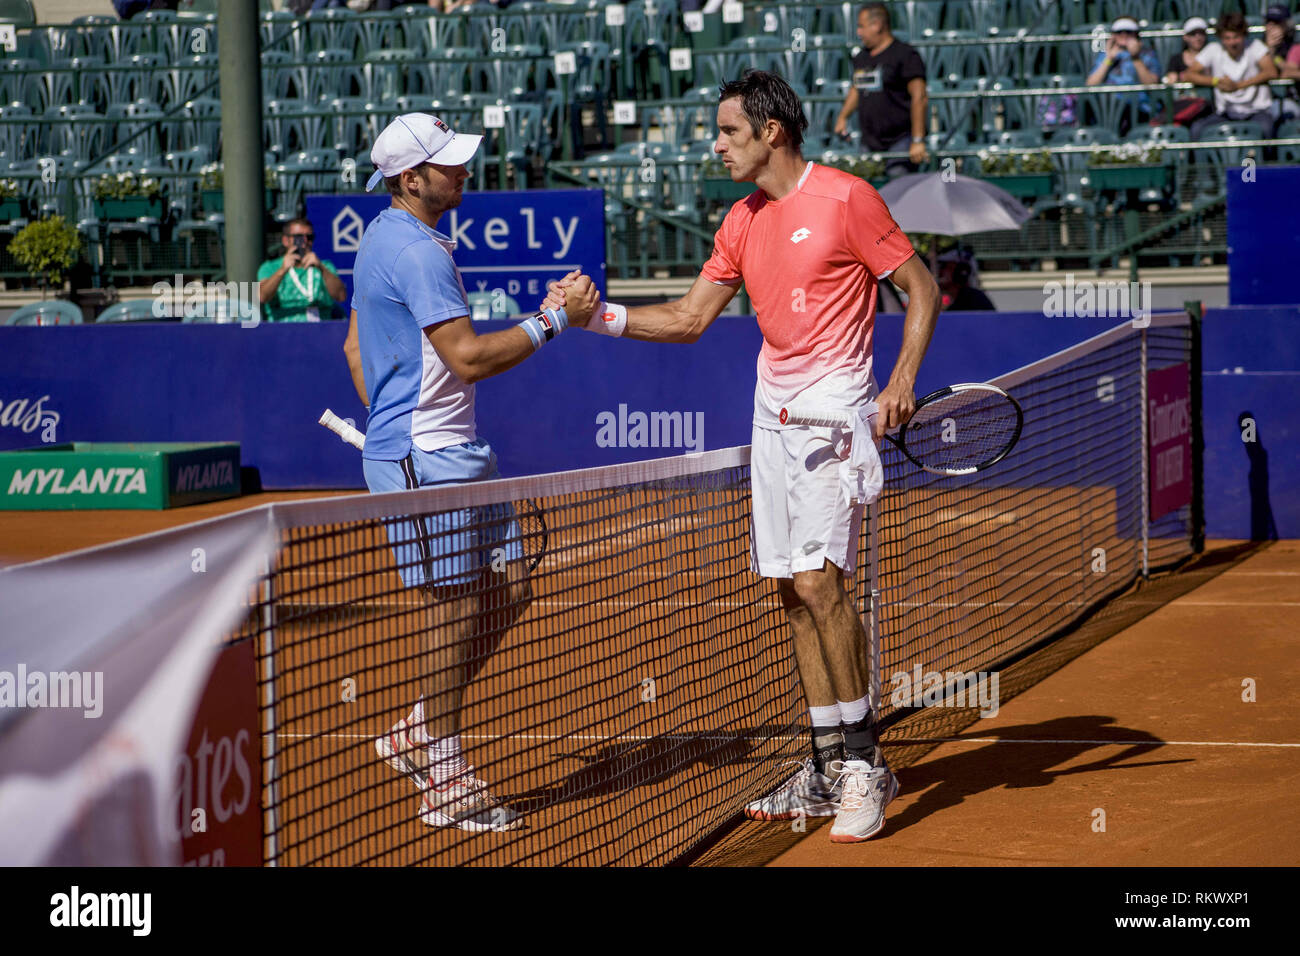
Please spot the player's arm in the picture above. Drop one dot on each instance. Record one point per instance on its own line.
(473, 357)
(850, 104)
(684, 319)
(352, 349)
(898, 400)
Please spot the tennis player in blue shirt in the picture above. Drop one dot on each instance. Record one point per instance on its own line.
(414, 357)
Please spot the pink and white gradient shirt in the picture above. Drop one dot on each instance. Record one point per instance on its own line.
(810, 262)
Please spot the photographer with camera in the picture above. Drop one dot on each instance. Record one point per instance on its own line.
(312, 286)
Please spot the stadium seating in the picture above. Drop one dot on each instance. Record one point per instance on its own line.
(139, 92)
(48, 312)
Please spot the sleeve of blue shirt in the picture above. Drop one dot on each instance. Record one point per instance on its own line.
(424, 278)
(1151, 61)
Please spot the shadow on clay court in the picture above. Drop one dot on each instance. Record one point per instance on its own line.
(622, 767)
(948, 780)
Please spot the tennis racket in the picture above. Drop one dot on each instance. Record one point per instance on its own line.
(531, 518)
(957, 430)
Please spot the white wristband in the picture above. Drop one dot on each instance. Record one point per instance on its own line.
(609, 319)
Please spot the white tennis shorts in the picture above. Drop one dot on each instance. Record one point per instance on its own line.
(802, 513)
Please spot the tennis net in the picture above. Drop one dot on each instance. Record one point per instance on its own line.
(628, 696)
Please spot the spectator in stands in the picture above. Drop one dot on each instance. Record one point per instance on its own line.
(1195, 37)
(1279, 37)
(1239, 74)
(1126, 62)
(888, 93)
(959, 283)
(1188, 109)
(313, 285)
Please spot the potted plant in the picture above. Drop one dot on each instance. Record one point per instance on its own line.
(212, 187)
(47, 249)
(1022, 173)
(127, 195)
(1130, 166)
(11, 200)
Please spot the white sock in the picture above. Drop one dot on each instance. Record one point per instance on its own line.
(445, 759)
(855, 710)
(828, 716)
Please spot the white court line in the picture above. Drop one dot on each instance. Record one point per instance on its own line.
(887, 742)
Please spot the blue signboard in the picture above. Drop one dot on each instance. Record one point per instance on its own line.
(511, 241)
(1261, 243)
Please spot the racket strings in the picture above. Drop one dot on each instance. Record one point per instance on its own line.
(962, 430)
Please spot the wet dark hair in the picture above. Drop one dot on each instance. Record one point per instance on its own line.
(765, 96)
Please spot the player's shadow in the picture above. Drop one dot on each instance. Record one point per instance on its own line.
(1036, 761)
(623, 767)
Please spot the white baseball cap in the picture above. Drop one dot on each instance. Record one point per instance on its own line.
(415, 138)
(1195, 23)
(1124, 23)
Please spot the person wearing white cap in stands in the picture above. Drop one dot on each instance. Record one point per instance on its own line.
(1195, 36)
(414, 358)
(1126, 62)
(1239, 73)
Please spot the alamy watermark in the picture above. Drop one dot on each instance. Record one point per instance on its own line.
(1085, 298)
(624, 429)
(953, 689)
(62, 689)
(214, 301)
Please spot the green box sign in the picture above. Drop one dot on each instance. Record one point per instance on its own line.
(118, 475)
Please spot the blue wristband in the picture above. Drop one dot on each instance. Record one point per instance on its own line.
(544, 326)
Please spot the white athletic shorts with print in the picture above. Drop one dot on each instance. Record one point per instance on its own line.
(802, 513)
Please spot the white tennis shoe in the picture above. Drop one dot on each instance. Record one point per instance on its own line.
(403, 754)
(865, 791)
(806, 794)
(466, 803)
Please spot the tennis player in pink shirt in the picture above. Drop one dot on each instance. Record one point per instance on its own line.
(811, 245)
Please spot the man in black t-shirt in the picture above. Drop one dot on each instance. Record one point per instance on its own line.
(888, 93)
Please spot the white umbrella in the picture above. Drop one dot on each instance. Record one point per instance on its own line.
(927, 202)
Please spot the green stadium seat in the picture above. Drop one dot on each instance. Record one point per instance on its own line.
(198, 123)
(330, 29)
(280, 33)
(63, 134)
(139, 127)
(510, 74)
(18, 12)
(186, 79)
(326, 74)
(444, 73)
(429, 31)
(914, 17)
(356, 124)
(16, 142)
(109, 37)
(979, 16)
(491, 305)
(383, 74)
(19, 82)
(48, 312)
(136, 310)
(136, 83)
(1167, 133)
(647, 39)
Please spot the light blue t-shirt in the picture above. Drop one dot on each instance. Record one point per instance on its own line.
(405, 280)
(1124, 73)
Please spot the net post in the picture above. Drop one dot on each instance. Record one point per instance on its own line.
(1144, 453)
(270, 742)
(1196, 316)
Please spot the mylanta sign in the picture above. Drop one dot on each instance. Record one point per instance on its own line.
(110, 476)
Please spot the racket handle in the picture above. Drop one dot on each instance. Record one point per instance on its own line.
(352, 436)
(825, 418)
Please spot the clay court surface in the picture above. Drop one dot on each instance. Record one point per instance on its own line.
(1138, 714)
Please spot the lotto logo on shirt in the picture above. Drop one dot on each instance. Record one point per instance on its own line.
(800, 235)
